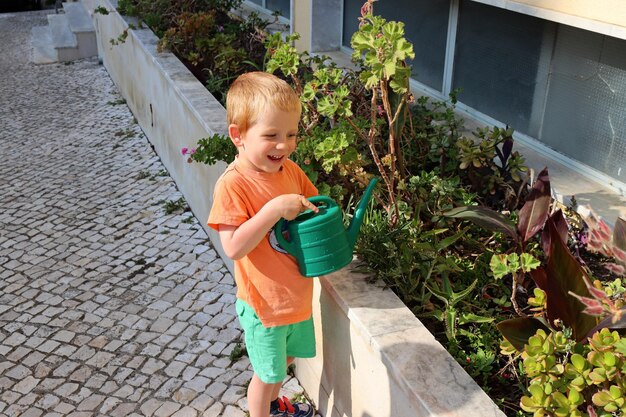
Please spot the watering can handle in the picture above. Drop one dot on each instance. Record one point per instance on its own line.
(322, 199)
(278, 228)
(278, 231)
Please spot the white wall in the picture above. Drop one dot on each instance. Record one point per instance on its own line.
(170, 104)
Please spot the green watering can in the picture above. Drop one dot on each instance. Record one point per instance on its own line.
(319, 241)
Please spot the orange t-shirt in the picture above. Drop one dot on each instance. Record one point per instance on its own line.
(267, 278)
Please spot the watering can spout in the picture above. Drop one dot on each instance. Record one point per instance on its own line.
(359, 213)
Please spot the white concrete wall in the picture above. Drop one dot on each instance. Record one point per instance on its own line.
(604, 16)
(375, 359)
(172, 107)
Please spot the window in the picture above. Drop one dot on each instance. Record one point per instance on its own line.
(561, 85)
(283, 7)
(585, 112)
(426, 28)
(497, 63)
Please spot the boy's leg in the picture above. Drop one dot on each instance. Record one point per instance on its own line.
(276, 390)
(260, 395)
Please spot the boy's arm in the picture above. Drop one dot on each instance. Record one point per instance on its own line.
(238, 241)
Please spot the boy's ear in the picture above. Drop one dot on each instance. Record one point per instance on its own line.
(235, 135)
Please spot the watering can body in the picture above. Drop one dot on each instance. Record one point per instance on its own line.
(319, 241)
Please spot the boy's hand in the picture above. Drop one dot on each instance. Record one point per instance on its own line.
(238, 241)
(288, 206)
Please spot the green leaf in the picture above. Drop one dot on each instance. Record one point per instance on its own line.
(390, 69)
(325, 107)
(474, 318)
(499, 266)
(404, 49)
(578, 361)
(369, 79)
(486, 218)
(458, 296)
(444, 243)
(620, 346)
(514, 262)
(450, 322)
(529, 262)
(308, 93)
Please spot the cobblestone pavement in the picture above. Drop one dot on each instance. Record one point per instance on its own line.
(109, 305)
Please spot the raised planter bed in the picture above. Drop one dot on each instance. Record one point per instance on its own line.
(375, 359)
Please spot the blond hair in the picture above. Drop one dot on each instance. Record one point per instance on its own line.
(252, 93)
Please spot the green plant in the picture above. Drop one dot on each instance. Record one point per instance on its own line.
(571, 379)
(101, 10)
(383, 73)
(215, 45)
(609, 243)
(143, 174)
(238, 352)
(173, 206)
(531, 219)
(117, 102)
(450, 299)
(499, 180)
(211, 150)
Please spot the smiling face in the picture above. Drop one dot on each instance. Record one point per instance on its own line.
(266, 144)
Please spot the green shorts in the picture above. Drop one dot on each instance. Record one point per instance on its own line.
(269, 347)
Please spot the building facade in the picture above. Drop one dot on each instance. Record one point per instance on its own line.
(555, 71)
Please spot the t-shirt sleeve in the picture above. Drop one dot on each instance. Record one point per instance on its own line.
(228, 207)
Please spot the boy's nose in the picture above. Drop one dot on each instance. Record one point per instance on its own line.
(281, 144)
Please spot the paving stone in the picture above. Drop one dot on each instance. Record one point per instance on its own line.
(64, 408)
(32, 412)
(18, 372)
(185, 412)
(90, 403)
(123, 410)
(150, 406)
(233, 394)
(233, 411)
(167, 409)
(48, 401)
(214, 411)
(26, 385)
(109, 404)
(66, 389)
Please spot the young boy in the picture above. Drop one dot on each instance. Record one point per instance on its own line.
(262, 185)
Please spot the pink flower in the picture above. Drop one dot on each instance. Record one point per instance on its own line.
(594, 311)
(616, 269)
(366, 8)
(192, 151)
(380, 110)
(619, 254)
(184, 151)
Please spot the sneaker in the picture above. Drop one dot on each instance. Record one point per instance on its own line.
(282, 407)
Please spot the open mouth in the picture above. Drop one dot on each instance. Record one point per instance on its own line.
(275, 158)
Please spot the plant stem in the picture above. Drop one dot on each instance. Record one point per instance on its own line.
(516, 307)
